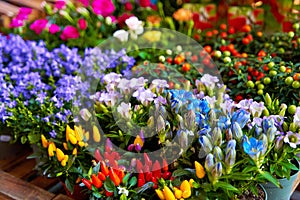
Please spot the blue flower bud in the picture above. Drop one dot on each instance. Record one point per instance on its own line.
(160, 124)
(218, 154)
(271, 132)
(183, 138)
(237, 131)
(230, 158)
(209, 162)
(216, 171)
(205, 143)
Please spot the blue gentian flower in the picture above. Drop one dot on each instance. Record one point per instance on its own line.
(254, 148)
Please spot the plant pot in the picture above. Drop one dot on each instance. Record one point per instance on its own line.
(250, 196)
(285, 192)
(8, 150)
(78, 193)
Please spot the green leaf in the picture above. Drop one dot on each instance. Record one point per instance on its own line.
(109, 185)
(23, 139)
(69, 185)
(125, 178)
(181, 172)
(226, 186)
(132, 182)
(270, 178)
(123, 197)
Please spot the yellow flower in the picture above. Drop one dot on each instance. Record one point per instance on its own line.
(44, 141)
(185, 187)
(191, 181)
(152, 36)
(69, 131)
(78, 133)
(168, 193)
(96, 134)
(65, 146)
(60, 155)
(160, 194)
(87, 136)
(200, 172)
(51, 149)
(74, 151)
(72, 139)
(139, 141)
(63, 163)
(177, 192)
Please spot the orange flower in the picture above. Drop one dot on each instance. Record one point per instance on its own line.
(183, 15)
(154, 20)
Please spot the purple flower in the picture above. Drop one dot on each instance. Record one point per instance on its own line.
(293, 139)
(144, 96)
(53, 134)
(124, 110)
(209, 81)
(256, 108)
(137, 83)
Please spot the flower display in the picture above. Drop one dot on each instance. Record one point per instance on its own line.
(149, 114)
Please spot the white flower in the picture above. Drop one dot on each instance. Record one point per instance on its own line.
(297, 117)
(161, 58)
(124, 109)
(108, 20)
(256, 109)
(123, 191)
(135, 27)
(133, 23)
(169, 52)
(122, 35)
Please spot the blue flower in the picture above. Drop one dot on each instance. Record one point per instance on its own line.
(241, 117)
(254, 148)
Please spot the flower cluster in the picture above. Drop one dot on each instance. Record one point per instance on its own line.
(38, 86)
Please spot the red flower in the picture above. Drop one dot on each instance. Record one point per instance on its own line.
(128, 6)
(82, 24)
(70, 32)
(39, 25)
(145, 3)
(199, 24)
(287, 26)
(122, 19)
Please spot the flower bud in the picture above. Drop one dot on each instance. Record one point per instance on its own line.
(268, 100)
(205, 143)
(160, 126)
(150, 122)
(216, 171)
(279, 142)
(271, 132)
(218, 154)
(237, 131)
(190, 119)
(217, 136)
(283, 108)
(209, 162)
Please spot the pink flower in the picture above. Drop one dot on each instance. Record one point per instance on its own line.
(53, 28)
(39, 25)
(85, 3)
(23, 13)
(145, 3)
(15, 23)
(59, 4)
(70, 32)
(82, 24)
(103, 7)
